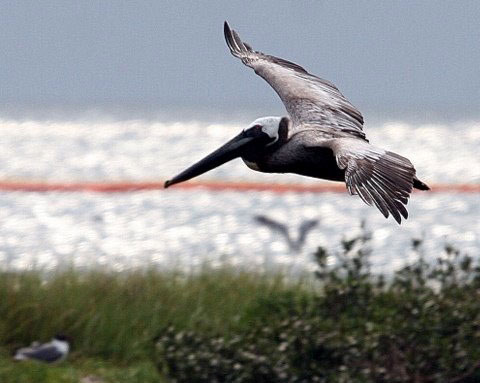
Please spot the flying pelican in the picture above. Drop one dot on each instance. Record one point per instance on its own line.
(321, 137)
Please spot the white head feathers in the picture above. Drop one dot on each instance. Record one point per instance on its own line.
(270, 126)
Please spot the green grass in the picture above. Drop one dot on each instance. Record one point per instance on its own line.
(74, 372)
(116, 316)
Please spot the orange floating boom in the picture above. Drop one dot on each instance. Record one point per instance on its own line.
(130, 186)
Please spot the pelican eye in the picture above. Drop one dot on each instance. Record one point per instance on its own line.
(253, 130)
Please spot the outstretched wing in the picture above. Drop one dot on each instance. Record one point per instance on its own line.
(312, 103)
(274, 225)
(304, 229)
(379, 177)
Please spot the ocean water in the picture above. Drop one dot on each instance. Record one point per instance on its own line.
(187, 229)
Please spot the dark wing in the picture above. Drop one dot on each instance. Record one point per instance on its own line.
(305, 228)
(312, 103)
(274, 225)
(379, 177)
(47, 353)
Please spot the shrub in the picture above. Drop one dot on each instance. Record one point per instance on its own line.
(421, 324)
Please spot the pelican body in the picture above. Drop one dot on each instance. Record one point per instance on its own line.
(322, 137)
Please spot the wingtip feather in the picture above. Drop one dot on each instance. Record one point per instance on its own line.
(233, 40)
(228, 35)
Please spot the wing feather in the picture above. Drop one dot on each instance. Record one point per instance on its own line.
(380, 178)
(312, 103)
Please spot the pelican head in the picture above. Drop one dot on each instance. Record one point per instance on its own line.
(268, 125)
(260, 135)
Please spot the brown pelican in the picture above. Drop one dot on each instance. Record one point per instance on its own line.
(321, 137)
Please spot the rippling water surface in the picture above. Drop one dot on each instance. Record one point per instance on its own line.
(188, 228)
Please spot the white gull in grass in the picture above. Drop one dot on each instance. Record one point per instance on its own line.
(54, 351)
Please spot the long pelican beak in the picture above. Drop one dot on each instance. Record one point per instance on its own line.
(232, 149)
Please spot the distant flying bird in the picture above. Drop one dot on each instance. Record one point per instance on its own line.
(54, 351)
(293, 244)
(321, 137)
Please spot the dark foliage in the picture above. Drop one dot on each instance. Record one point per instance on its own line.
(420, 325)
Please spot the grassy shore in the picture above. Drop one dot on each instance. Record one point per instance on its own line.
(117, 316)
(113, 318)
(344, 324)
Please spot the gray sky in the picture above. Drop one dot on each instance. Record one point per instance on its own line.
(387, 57)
